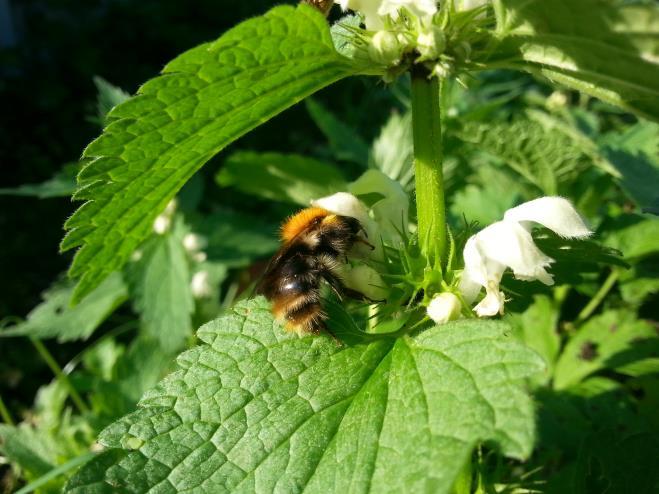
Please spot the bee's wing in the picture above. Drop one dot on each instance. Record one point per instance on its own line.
(269, 274)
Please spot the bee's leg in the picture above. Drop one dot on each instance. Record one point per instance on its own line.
(365, 242)
(340, 289)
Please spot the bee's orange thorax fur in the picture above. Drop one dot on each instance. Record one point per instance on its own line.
(299, 221)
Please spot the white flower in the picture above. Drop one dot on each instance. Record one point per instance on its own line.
(364, 279)
(374, 11)
(444, 307)
(509, 244)
(193, 242)
(162, 224)
(419, 8)
(368, 8)
(200, 285)
(430, 42)
(469, 4)
(391, 212)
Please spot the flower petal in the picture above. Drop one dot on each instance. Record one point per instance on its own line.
(392, 211)
(493, 302)
(506, 243)
(555, 213)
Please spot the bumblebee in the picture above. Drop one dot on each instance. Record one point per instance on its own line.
(314, 243)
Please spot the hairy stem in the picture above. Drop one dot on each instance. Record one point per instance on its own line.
(427, 130)
(60, 375)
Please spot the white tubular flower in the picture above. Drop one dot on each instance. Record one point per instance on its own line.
(391, 212)
(444, 307)
(365, 280)
(431, 42)
(420, 8)
(368, 8)
(508, 244)
(194, 243)
(469, 4)
(161, 224)
(200, 285)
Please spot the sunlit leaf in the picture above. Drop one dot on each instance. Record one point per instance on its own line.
(207, 98)
(257, 409)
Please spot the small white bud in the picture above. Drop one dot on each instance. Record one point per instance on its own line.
(162, 224)
(385, 48)
(199, 256)
(444, 307)
(193, 242)
(170, 209)
(200, 285)
(136, 255)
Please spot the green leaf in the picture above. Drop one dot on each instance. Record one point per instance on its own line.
(612, 340)
(610, 52)
(236, 239)
(56, 318)
(544, 157)
(160, 282)
(345, 142)
(107, 98)
(537, 327)
(288, 178)
(208, 97)
(256, 409)
(62, 184)
(636, 236)
(24, 446)
(634, 153)
(392, 151)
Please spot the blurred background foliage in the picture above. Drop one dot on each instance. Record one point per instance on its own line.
(509, 138)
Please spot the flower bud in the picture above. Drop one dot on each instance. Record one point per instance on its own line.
(193, 242)
(430, 43)
(200, 285)
(385, 48)
(444, 307)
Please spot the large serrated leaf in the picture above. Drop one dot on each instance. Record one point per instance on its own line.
(256, 409)
(207, 98)
(610, 52)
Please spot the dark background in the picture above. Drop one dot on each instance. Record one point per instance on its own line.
(48, 59)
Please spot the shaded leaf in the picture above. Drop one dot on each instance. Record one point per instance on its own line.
(160, 286)
(612, 340)
(288, 178)
(56, 318)
(345, 142)
(63, 184)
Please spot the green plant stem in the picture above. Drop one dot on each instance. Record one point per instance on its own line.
(56, 472)
(588, 310)
(463, 482)
(59, 374)
(427, 131)
(4, 413)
